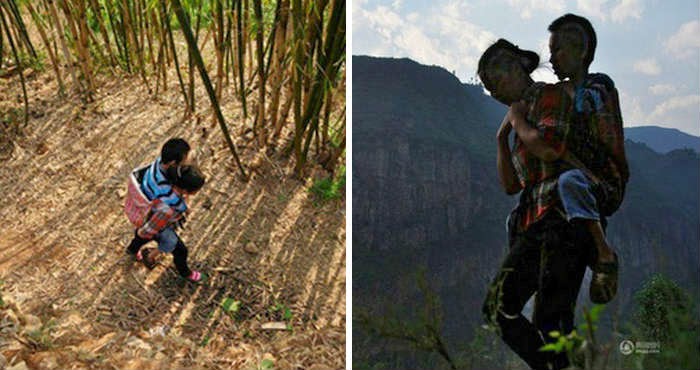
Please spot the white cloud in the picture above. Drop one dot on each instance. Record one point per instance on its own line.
(673, 104)
(627, 9)
(544, 75)
(647, 66)
(545, 72)
(685, 42)
(662, 89)
(632, 112)
(439, 36)
(528, 7)
(396, 4)
(593, 8)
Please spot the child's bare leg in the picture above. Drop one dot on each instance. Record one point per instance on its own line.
(605, 253)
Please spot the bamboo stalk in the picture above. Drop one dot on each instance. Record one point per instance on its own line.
(2, 49)
(19, 66)
(277, 72)
(83, 49)
(187, 31)
(97, 11)
(219, 46)
(334, 47)
(80, 39)
(166, 16)
(297, 76)
(259, 124)
(49, 50)
(198, 14)
(241, 56)
(20, 24)
(61, 38)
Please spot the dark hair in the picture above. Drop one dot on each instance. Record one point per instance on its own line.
(563, 23)
(174, 150)
(529, 60)
(187, 177)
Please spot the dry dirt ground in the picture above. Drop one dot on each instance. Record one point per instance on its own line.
(74, 300)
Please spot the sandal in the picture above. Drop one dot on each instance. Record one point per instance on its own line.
(196, 277)
(142, 256)
(604, 282)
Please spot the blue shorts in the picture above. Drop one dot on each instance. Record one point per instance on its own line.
(167, 240)
(577, 197)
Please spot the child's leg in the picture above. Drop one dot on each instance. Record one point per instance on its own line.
(169, 242)
(180, 259)
(580, 205)
(605, 253)
(136, 243)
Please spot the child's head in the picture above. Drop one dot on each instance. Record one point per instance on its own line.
(174, 151)
(187, 177)
(572, 45)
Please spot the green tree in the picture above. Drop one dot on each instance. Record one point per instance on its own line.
(667, 314)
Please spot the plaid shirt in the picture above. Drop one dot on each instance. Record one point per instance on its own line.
(550, 110)
(161, 216)
(598, 137)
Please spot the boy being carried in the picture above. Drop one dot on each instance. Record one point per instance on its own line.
(162, 221)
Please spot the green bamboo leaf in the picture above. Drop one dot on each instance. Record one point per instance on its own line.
(551, 347)
(231, 306)
(267, 364)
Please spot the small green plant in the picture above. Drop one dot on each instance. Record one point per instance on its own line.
(231, 307)
(330, 188)
(29, 61)
(282, 197)
(286, 313)
(579, 349)
(205, 341)
(42, 337)
(267, 364)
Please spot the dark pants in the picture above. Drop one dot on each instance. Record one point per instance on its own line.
(179, 253)
(548, 259)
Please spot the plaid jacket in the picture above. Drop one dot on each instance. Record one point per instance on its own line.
(161, 216)
(550, 111)
(597, 137)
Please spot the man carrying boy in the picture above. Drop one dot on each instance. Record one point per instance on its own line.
(165, 183)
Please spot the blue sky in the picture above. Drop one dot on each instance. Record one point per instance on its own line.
(651, 48)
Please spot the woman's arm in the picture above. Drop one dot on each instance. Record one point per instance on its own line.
(529, 135)
(506, 172)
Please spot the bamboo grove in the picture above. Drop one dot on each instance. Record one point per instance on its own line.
(282, 60)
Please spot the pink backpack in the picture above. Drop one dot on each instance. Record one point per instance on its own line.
(136, 205)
